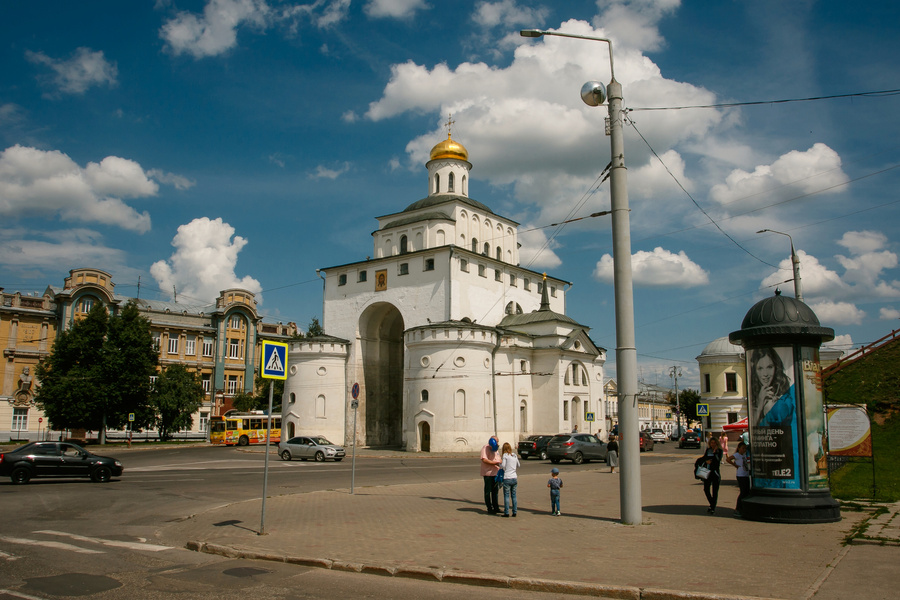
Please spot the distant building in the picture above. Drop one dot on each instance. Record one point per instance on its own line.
(449, 338)
(219, 341)
(723, 381)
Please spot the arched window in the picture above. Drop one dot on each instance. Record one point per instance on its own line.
(487, 249)
(459, 403)
(404, 244)
(437, 183)
(475, 245)
(499, 253)
(424, 395)
(450, 182)
(465, 189)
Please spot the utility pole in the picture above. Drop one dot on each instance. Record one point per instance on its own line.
(675, 373)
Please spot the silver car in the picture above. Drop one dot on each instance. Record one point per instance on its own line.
(577, 447)
(313, 446)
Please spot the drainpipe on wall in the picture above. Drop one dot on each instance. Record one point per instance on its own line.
(494, 381)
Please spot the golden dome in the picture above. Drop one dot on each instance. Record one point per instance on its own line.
(449, 149)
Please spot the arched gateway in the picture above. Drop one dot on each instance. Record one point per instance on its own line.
(381, 362)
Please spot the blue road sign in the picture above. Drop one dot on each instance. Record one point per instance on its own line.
(274, 360)
(703, 410)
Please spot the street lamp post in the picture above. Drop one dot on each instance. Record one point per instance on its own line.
(795, 262)
(626, 352)
(675, 373)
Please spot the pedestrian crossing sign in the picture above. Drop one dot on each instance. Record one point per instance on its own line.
(589, 416)
(274, 360)
(703, 410)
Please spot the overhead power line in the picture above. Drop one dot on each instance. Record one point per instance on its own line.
(882, 93)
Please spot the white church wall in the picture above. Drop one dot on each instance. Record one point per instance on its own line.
(315, 390)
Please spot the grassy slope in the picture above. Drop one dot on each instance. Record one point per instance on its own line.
(875, 382)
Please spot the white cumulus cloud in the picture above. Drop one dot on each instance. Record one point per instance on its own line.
(888, 314)
(395, 9)
(48, 183)
(86, 68)
(837, 313)
(660, 268)
(204, 261)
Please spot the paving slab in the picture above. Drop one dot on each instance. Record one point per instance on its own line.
(440, 530)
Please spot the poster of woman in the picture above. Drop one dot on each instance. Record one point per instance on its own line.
(773, 418)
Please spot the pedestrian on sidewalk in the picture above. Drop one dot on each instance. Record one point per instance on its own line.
(712, 460)
(509, 463)
(723, 443)
(555, 484)
(490, 465)
(612, 454)
(741, 461)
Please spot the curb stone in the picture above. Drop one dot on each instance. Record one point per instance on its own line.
(467, 578)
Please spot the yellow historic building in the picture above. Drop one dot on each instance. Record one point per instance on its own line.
(220, 341)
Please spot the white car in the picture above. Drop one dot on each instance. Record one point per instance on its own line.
(313, 446)
(659, 436)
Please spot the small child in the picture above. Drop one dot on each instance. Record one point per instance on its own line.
(554, 484)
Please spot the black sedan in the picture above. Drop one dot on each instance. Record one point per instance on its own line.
(535, 446)
(56, 459)
(689, 439)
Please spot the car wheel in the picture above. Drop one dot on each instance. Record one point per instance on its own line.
(20, 475)
(652, 447)
(544, 455)
(555, 461)
(244, 441)
(524, 457)
(320, 456)
(579, 458)
(101, 474)
(286, 455)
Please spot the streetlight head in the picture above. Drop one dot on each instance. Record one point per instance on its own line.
(762, 231)
(593, 93)
(532, 33)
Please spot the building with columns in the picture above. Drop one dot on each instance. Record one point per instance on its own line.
(449, 338)
(219, 341)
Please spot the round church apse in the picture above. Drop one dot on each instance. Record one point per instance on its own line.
(381, 343)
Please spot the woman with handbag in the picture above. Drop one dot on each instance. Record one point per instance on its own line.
(708, 470)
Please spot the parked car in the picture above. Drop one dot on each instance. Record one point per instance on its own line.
(577, 447)
(535, 446)
(659, 436)
(313, 446)
(646, 441)
(57, 459)
(689, 439)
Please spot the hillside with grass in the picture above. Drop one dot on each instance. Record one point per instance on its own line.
(874, 381)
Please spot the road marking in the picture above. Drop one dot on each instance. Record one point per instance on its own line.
(20, 595)
(105, 542)
(49, 544)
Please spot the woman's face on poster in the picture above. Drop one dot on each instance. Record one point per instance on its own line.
(765, 371)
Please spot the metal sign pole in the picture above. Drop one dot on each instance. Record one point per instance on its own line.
(262, 522)
(354, 391)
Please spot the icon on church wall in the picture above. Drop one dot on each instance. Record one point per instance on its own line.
(380, 280)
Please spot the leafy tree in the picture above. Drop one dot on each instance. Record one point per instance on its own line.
(262, 393)
(99, 371)
(74, 391)
(314, 329)
(688, 400)
(130, 359)
(176, 396)
(245, 402)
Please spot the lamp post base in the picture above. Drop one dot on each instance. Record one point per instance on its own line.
(791, 507)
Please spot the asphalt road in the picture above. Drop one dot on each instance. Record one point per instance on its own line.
(77, 539)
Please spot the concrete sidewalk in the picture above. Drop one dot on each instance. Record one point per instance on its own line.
(440, 531)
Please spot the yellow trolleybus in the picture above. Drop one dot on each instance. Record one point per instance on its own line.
(243, 429)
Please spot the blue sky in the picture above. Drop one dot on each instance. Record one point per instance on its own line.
(200, 145)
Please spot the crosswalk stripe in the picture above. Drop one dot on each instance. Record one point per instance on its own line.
(49, 544)
(105, 542)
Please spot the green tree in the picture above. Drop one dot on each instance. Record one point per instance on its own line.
(74, 392)
(688, 400)
(177, 395)
(245, 402)
(130, 359)
(314, 329)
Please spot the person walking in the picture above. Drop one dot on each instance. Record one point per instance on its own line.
(490, 465)
(723, 443)
(712, 460)
(741, 461)
(555, 484)
(612, 454)
(509, 463)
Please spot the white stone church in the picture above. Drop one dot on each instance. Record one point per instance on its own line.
(449, 340)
